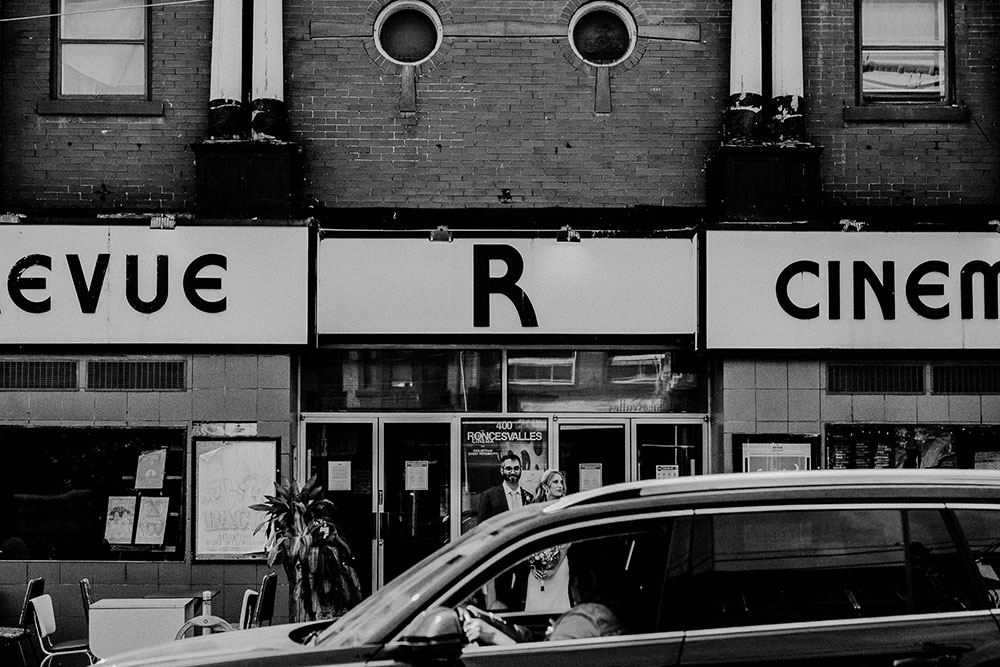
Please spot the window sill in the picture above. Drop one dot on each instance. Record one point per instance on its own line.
(908, 114)
(100, 108)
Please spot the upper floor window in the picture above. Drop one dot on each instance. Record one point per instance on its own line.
(102, 49)
(904, 51)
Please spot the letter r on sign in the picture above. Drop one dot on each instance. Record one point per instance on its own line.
(483, 284)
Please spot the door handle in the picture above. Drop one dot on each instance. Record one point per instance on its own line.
(927, 661)
(934, 655)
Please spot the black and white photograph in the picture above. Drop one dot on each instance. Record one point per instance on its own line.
(469, 333)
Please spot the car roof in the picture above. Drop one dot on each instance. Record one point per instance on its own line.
(929, 482)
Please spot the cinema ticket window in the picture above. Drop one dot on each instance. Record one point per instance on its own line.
(92, 493)
(404, 380)
(631, 380)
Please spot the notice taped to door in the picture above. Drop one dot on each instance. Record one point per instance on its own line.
(591, 476)
(416, 476)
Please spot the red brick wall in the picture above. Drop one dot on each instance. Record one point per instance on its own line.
(495, 114)
(103, 162)
(507, 113)
(896, 163)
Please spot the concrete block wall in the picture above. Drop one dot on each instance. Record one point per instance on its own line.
(222, 388)
(789, 396)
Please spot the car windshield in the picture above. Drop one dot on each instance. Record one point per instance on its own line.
(407, 594)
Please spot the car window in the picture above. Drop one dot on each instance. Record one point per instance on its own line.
(982, 532)
(811, 565)
(576, 585)
(940, 581)
(404, 596)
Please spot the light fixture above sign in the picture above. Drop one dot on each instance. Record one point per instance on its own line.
(442, 234)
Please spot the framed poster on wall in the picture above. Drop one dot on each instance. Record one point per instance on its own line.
(230, 475)
(763, 452)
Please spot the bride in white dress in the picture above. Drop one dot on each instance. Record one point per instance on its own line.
(548, 579)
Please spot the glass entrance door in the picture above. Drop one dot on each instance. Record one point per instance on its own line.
(341, 454)
(415, 459)
(405, 485)
(665, 450)
(592, 454)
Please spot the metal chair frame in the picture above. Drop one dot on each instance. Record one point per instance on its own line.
(45, 627)
(24, 629)
(86, 594)
(249, 608)
(264, 609)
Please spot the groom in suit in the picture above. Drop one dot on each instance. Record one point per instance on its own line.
(508, 494)
(511, 586)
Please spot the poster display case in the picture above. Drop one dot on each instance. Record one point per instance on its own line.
(230, 475)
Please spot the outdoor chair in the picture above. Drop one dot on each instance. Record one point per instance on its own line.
(45, 627)
(249, 608)
(87, 595)
(264, 611)
(23, 630)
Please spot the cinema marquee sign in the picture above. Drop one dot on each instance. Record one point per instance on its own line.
(130, 284)
(852, 290)
(505, 286)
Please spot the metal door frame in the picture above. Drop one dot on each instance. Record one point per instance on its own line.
(422, 418)
(702, 421)
(302, 463)
(601, 419)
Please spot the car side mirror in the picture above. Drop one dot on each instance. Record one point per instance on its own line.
(435, 636)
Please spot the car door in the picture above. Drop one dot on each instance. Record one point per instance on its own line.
(635, 554)
(879, 586)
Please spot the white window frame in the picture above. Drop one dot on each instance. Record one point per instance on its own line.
(943, 49)
(60, 42)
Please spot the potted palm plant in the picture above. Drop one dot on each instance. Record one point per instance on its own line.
(304, 540)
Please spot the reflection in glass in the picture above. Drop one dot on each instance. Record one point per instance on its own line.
(401, 380)
(604, 381)
(903, 49)
(341, 455)
(417, 493)
(903, 73)
(58, 483)
(668, 450)
(779, 567)
(591, 455)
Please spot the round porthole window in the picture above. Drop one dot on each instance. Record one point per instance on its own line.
(602, 33)
(408, 32)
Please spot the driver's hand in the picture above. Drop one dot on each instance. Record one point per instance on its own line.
(480, 632)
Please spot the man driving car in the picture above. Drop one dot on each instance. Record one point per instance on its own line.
(595, 611)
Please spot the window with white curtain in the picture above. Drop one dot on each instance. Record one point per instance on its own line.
(904, 50)
(103, 48)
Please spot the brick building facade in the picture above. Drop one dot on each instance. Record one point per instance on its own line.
(502, 123)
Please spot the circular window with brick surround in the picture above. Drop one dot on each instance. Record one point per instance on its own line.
(602, 33)
(408, 32)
